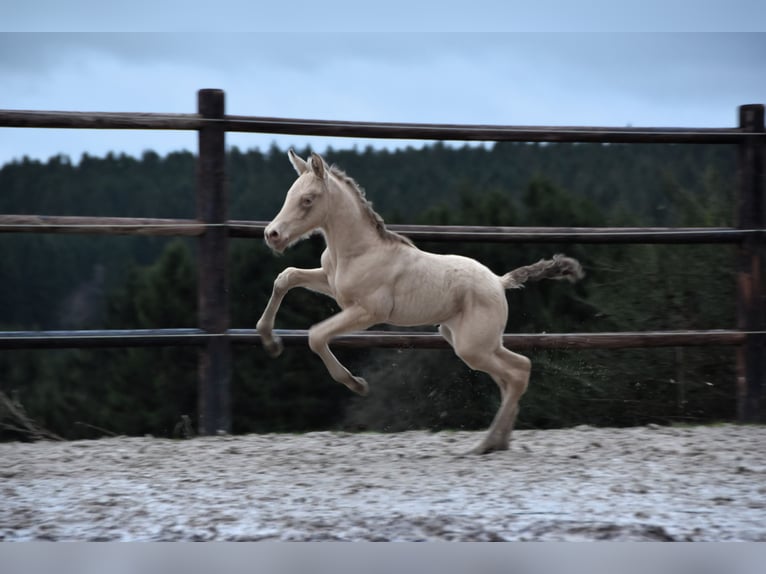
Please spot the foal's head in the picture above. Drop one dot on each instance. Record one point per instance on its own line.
(306, 205)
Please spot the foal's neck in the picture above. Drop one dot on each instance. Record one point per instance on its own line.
(347, 230)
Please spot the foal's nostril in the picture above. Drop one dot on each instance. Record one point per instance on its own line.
(272, 234)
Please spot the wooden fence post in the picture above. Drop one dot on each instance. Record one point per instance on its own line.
(213, 290)
(751, 312)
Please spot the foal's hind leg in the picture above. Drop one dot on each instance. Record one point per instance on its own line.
(511, 373)
(480, 347)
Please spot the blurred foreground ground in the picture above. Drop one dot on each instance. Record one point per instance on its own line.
(648, 483)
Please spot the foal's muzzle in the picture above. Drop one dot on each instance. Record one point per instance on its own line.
(274, 239)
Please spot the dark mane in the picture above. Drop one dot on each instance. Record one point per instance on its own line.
(370, 213)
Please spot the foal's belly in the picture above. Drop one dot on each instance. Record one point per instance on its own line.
(424, 308)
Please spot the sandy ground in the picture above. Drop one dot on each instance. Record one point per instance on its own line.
(649, 483)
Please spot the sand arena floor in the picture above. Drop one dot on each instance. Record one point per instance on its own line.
(647, 483)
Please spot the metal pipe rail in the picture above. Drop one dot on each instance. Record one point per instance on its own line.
(362, 339)
(436, 233)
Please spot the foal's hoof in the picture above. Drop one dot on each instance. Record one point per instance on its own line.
(359, 386)
(274, 347)
(486, 448)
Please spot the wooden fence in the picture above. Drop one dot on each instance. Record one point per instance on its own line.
(214, 337)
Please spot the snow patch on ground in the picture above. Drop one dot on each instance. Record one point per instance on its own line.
(646, 483)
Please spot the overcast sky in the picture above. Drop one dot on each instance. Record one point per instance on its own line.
(278, 64)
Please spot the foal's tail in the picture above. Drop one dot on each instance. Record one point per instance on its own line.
(560, 267)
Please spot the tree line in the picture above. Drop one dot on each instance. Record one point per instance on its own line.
(60, 281)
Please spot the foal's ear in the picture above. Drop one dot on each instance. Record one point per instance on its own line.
(299, 164)
(318, 165)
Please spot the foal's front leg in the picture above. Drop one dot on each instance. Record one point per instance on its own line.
(314, 279)
(351, 319)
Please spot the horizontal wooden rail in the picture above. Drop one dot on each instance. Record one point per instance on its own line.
(100, 225)
(462, 132)
(239, 228)
(102, 338)
(575, 234)
(487, 234)
(99, 120)
(382, 130)
(381, 339)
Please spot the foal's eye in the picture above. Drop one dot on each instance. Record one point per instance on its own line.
(307, 201)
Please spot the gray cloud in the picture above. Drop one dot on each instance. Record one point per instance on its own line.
(524, 78)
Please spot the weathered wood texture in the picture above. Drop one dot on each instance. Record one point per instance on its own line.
(213, 275)
(382, 130)
(751, 304)
(98, 120)
(100, 225)
(387, 130)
